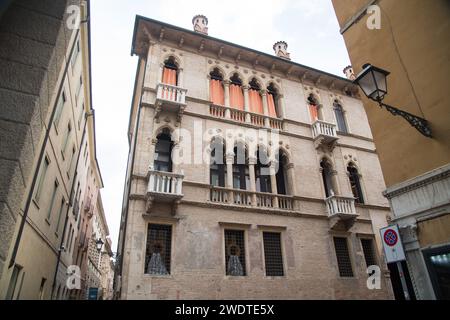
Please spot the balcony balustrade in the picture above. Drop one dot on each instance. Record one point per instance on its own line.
(251, 199)
(324, 134)
(341, 211)
(236, 115)
(164, 187)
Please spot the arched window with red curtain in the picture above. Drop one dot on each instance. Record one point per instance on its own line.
(216, 91)
(236, 94)
(170, 72)
(255, 98)
(313, 106)
(272, 101)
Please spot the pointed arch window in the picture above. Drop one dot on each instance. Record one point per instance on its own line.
(340, 117)
(255, 98)
(236, 94)
(280, 174)
(216, 89)
(313, 106)
(327, 177)
(241, 176)
(262, 171)
(355, 183)
(170, 72)
(218, 169)
(272, 101)
(163, 152)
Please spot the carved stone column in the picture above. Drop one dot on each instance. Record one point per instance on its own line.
(229, 160)
(251, 169)
(273, 182)
(265, 108)
(246, 103)
(226, 86)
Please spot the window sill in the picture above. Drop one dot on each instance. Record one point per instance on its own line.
(36, 203)
(156, 276)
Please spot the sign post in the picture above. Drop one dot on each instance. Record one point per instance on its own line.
(393, 250)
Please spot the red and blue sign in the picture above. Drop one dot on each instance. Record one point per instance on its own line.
(390, 237)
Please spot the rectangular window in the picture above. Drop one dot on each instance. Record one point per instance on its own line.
(76, 52)
(66, 139)
(59, 108)
(343, 257)
(52, 201)
(80, 116)
(80, 84)
(369, 252)
(42, 289)
(235, 253)
(42, 175)
(72, 157)
(60, 213)
(272, 254)
(13, 282)
(157, 257)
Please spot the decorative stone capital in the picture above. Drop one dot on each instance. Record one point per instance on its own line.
(226, 83)
(252, 160)
(263, 92)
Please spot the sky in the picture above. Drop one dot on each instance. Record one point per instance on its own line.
(309, 27)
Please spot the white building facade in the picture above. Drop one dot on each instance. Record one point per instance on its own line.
(249, 176)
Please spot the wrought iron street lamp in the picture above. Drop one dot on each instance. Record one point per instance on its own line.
(99, 243)
(373, 82)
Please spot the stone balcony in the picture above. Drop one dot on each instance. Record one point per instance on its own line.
(251, 199)
(255, 119)
(164, 187)
(170, 98)
(324, 134)
(341, 212)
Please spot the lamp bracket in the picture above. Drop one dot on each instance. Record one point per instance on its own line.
(419, 123)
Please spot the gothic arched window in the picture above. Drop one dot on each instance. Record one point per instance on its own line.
(236, 94)
(355, 183)
(216, 90)
(241, 176)
(262, 171)
(327, 177)
(340, 117)
(272, 101)
(163, 152)
(255, 98)
(313, 105)
(218, 167)
(170, 72)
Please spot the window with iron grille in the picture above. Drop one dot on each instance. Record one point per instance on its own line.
(157, 257)
(235, 253)
(272, 254)
(369, 253)
(343, 257)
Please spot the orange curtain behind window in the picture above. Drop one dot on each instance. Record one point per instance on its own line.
(313, 111)
(216, 92)
(236, 97)
(271, 105)
(169, 76)
(255, 101)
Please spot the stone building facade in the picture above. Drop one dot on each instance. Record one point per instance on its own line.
(249, 176)
(48, 152)
(416, 168)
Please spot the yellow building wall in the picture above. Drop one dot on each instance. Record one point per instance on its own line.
(413, 44)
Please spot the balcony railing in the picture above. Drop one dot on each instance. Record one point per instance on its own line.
(251, 199)
(341, 206)
(255, 119)
(165, 183)
(324, 133)
(171, 94)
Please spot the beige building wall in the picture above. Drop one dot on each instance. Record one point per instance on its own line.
(197, 259)
(52, 217)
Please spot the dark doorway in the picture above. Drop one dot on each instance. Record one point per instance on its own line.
(396, 282)
(438, 264)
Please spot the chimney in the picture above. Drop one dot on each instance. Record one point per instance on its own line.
(200, 23)
(280, 49)
(348, 71)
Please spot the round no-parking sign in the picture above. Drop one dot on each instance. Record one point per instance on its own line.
(392, 244)
(390, 237)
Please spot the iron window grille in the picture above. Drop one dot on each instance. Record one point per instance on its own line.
(343, 257)
(272, 254)
(158, 252)
(369, 253)
(235, 253)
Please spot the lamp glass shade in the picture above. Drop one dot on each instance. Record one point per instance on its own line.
(99, 244)
(372, 81)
